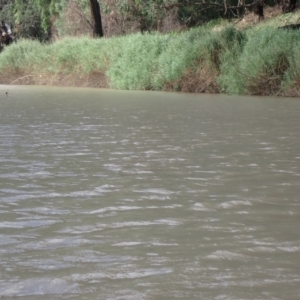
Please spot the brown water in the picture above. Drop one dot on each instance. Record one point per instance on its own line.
(145, 195)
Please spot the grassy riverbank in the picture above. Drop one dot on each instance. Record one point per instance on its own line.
(260, 60)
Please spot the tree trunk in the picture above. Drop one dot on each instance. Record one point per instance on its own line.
(96, 15)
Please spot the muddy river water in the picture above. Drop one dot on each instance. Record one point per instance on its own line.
(147, 195)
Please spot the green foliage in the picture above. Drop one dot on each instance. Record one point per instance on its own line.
(36, 17)
(45, 9)
(6, 12)
(71, 15)
(148, 13)
(27, 20)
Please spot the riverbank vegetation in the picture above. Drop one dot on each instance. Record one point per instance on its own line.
(217, 57)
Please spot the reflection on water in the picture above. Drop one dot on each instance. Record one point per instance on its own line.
(131, 195)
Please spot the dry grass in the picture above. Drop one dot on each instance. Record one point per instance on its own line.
(293, 90)
(269, 83)
(200, 80)
(264, 85)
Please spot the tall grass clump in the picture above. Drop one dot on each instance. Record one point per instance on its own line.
(268, 64)
(78, 55)
(67, 61)
(180, 53)
(22, 56)
(135, 65)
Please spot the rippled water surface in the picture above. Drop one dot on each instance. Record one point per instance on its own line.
(138, 195)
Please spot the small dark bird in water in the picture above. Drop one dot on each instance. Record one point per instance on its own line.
(6, 93)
